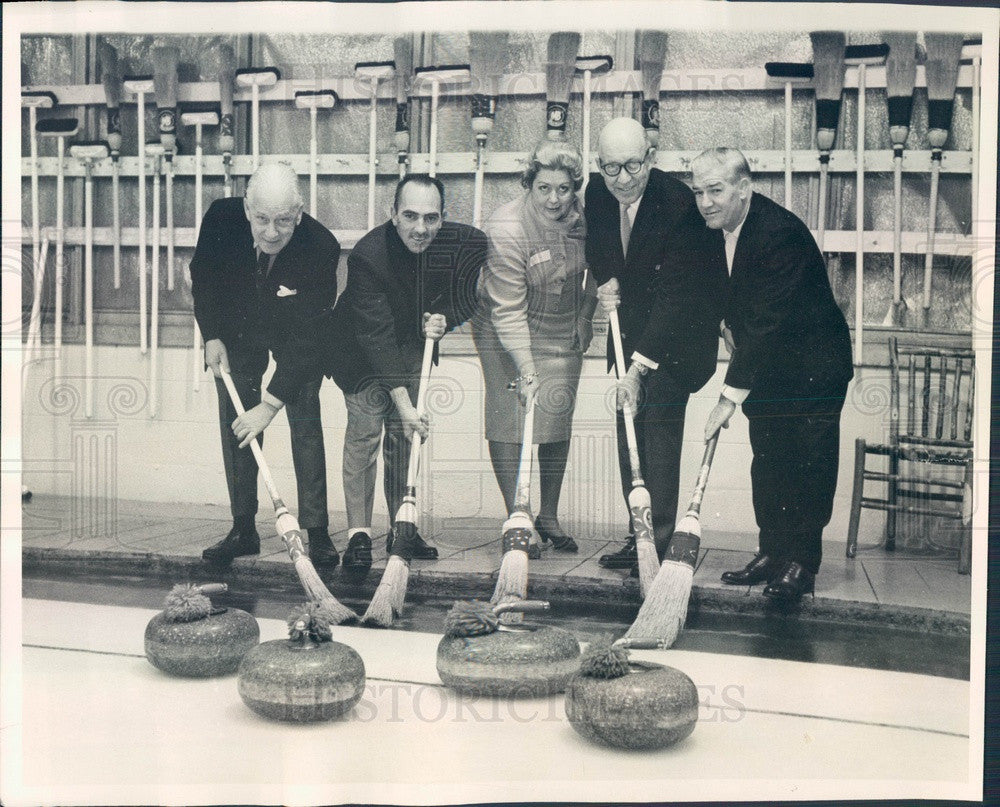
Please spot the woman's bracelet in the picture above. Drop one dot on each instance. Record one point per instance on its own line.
(525, 377)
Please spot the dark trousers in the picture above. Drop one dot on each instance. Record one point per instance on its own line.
(308, 454)
(796, 447)
(659, 431)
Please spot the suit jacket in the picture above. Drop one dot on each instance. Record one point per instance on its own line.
(301, 283)
(377, 324)
(672, 283)
(788, 329)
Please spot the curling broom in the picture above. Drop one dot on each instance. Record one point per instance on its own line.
(664, 610)
(652, 53)
(289, 530)
(560, 65)
(828, 72)
(487, 59)
(387, 602)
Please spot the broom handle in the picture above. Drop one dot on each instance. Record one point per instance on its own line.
(522, 494)
(627, 413)
(694, 507)
(897, 236)
(931, 227)
(415, 441)
(859, 224)
(258, 455)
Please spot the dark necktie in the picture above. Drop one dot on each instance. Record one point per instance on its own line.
(263, 264)
(626, 230)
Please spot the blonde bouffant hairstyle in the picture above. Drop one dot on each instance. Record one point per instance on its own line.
(554, 155)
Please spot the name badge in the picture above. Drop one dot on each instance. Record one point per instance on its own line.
(540, 257)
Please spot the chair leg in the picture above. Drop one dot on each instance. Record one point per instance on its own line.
(890, 497)
(965, 548)
(856, 495)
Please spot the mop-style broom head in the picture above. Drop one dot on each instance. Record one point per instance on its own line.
(387, 602)
(900, 76)
(560, 65)
(944, 53)
(640, 508)
(652, 54)
(487, 60)
(512, 581)
(291, 534)
(828, 71)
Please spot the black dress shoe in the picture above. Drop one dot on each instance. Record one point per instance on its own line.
(358, 555)
(561, 543)
(794, 581)
(322, 552)
(761, 568)
(420, 549)
(624, 558)
(239, 542)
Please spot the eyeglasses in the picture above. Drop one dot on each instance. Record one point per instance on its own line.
(632, 167)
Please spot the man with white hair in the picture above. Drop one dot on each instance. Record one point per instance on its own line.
(261, 269)
(789, 369)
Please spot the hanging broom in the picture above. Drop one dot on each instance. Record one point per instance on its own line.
(639, 504)
(662, 614)
(402, 49)
(900, 76)
(487, 59)
(652, 53)
(944, 52)
(512, 581)
(387, 602)
(828, 73)
(289, 530)
(560, 65)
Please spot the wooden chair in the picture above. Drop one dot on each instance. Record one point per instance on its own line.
(930, 426)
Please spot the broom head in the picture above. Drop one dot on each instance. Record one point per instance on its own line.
(487, 59)
(944, 53)
(900, 76)
(640, 508)
(405, 529)
(664, 610)
(652, 54)
(685, 542)
(387, 602)
(512, 581)
(560, 66)
(828, 71)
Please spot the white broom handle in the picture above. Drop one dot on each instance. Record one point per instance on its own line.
(170, 223)
(859, 224)
(788, 145)
(372, 152)
(197, 358)
(435, 91)
(35, 325)
(931, 227)
(258, 455)
(523, 488)
(897, 231)
(143, 324)
(627, 413)
(415, 441)
(116, 221)
(36, 229)
(477, 188)
(694, 506)
(154, 313)
(313, 159)
(821, 213)
(88, 289)
(60, 241)
(977, 68)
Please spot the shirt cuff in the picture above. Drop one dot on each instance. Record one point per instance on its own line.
(734, 394)
(652, 365)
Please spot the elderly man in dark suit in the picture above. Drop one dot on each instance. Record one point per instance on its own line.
(790, 366)
(412, 277)
(260, 270)
(650, 251)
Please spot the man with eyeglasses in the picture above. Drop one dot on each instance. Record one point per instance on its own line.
(657, 263)
(260, 270)
(412, 277)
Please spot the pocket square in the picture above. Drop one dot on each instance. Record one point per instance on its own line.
(285, 292)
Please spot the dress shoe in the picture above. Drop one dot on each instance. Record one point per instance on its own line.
(761, 568)
(561, 543)
(624, 558)
(239, 542)
(420, 549)
(793, 581)
(322, 552)
(358, 555)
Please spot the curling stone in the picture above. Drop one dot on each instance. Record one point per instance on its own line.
(305, 678)
(480, 656)
(637, 705)
(193, 639)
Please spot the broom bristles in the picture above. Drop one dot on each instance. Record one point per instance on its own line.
(828, 64)
(652, 55)
(387, 602)
(402, 52)
(649, 564)
(901, 64)
(318, 592)
(560, 64)
(487, 59)
(944, 52)
(513, 577)
(664, 610)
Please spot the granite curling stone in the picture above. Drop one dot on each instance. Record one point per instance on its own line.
(479, 656)
(636, 705)
(191, 638)
(305, 678)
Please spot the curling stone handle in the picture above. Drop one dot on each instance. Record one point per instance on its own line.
(522, 606)
(642, 644)
(213, 588)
